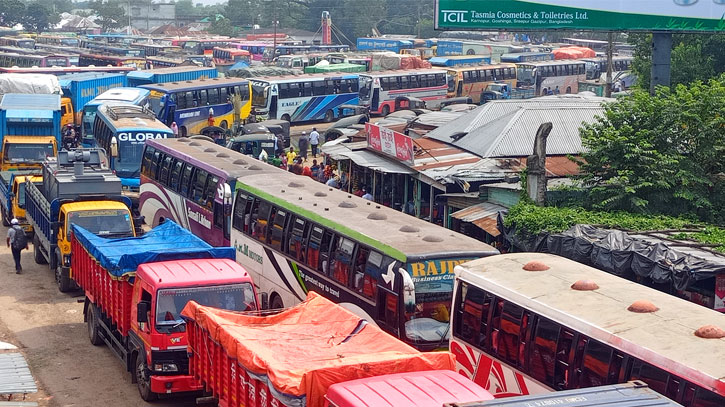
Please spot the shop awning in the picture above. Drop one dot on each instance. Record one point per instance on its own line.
(375, 162)
(482, 215)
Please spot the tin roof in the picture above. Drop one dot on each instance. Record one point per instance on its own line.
(22, 101)
(15, 376)
(482, 215)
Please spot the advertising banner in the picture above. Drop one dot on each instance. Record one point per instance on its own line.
(610, 15)
(390, 142)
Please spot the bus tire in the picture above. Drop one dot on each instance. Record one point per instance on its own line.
(329, 116)
(94, 334)
(143, 378)
(385, 110)
(224, 125)
(286, 118)
(37, 254)
(276, 302)
(183, 132)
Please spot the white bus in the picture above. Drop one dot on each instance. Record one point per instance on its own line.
(303, 98)
(518, 332)
(378, 90)
(551, 77)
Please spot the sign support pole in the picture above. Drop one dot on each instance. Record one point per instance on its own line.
(661, 58)
(610, 45)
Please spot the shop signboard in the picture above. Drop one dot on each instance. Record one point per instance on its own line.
(609, 15)
(390, 142)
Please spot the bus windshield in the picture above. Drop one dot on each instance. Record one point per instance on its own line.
(106, 223)
(259, 94)
(129, 159)
(170, 302)
(366, 87)
(155, 102)
(22, 153)
(89, 116)
(525, 74)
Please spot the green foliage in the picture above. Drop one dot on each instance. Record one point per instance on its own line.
(110, 14)
(38, 18)
(11, 12)
(536, 219)
(222, 26)
(659, 154)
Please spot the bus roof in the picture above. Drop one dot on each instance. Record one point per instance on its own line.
(123, 94)
(555, 62)
(60, 70)
(398, 72)
(665, 337)
(125, 116)
(399, 235)
(297, 78)
(479, 67)
(195, 84)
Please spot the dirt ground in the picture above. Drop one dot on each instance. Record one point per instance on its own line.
(48, 327)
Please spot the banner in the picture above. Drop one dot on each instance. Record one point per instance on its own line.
(390, 143)
(609, 15)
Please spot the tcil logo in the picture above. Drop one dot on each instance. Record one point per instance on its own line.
(139, 137)
(454, 16)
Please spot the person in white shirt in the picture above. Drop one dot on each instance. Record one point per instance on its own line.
(367, 195)
(314, 141)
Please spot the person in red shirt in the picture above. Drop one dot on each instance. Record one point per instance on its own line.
(210, 120)
(306, 171)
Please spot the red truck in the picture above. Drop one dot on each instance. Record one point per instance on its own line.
(135, 290)
(293, 357)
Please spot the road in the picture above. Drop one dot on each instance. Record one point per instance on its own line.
(48, 326)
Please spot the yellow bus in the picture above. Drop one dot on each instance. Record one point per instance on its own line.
(472, 81)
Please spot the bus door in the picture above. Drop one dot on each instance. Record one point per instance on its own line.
(375, 100)
(389, 307)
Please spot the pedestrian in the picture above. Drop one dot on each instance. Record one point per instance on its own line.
(263, 155)
(17, 241)
(283, 162)
(175, 129)
(303, 142)
(291, 155)
(367, 195)
(333, 182)
(315, 169)
(297, 166)
(210, 119)
(307, 172)
(314, 141)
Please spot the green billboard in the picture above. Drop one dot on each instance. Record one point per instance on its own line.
(609, 15)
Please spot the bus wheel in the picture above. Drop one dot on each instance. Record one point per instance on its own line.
(568, 90)
(286, 117)
(329, 116)
(276, 302)
(223, 124)
(385, 110)
(183, 131)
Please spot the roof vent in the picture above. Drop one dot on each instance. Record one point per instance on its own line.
(710, 332)
(642, 307)
(239, 162)
(535, 266)
(347, 204)
(320, 194)
(222, 155)
(409, 229)
(584, 285)
(254, 168)
(183, 140)
(377, 216)
(295, 185)
(209, 150)
(195, 144)
(432, 239)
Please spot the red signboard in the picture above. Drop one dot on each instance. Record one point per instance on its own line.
(390, 142)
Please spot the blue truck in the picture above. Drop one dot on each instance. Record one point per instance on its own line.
(29, 129)
(383, 44)
(172, 74)
(83, 87)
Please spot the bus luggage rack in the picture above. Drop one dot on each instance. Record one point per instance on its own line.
(129, 111)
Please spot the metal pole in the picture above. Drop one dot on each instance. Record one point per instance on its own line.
(661, 58)
(610, 45)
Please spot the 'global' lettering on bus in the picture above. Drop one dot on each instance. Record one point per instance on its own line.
(139, 137)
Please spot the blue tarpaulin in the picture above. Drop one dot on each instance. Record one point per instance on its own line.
(165, 242)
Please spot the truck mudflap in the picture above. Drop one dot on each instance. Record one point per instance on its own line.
(174, 384)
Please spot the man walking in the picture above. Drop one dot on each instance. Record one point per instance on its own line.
(314, 141)
(302, 144)
(16, 241)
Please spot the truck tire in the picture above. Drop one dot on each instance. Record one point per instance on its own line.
(143, 379)
(65, 284)
(37, 254)
(6, 222)
(94, 333)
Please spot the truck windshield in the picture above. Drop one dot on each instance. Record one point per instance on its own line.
(105, 223)
(23, 153)
(170, 302)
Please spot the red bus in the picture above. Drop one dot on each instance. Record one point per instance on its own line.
(378, 90)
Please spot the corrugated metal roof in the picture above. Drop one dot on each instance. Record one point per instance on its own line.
(15, 376)
(482, 215)
(357, 153)
(26, 101)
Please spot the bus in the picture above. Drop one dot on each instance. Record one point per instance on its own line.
(378, 90)
(527, 57)
(62, 70)
(106, 49)
(596, 67)
(564, 325)
(294, 234)
(11, 59)
(151, 50)
(71, 53)
(130, 95)
(472, 81)
(189, 103)
(57, 40)
(20, 42)
(200, 46)
(121, 129)
(304, 98)
(225, 58)
(271, 53)
(112, 60)
(551, 77)
(255, 48)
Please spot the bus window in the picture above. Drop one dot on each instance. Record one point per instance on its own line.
(261, 221)
(306, 89)
(654, 377)
(155, 160)
(238, 215)
(595, 365)
(341, 260)
(164, 172)
(405, 82)
(199, 185)
(506, 330)
(470, 316)
(176, 175)
(277, 234)
(203, 99)
(388, 311)
(543, 351)
(330, 87)
(318, 88)
(223, 98)
(313, 249)
(146, 162)
(296, 249)
(186, 180)
(359, 269)
(210, 193)
(214, 96)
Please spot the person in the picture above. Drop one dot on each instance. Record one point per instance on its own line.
(283, 162)
(360, 192)
(16, 241)
(291, 155)
(557, 91)
(314, 141)
(210, 119)
(367, 195)
(315, 170)
(333, 182)
(263, 155)
(302, 144)
(297, 166)
(175, 129)
(307, 172)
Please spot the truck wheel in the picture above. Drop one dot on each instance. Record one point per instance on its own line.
(143, 379)
(64, 282)
(94, 333)
(37, 254)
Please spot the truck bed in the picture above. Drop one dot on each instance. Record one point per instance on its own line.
(37, 212)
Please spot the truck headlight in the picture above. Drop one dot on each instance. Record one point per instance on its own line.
(66, 260)
(166, 367)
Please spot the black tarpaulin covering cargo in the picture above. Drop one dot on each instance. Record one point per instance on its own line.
(626, 255)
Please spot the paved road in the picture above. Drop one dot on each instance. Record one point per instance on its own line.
(48, 326)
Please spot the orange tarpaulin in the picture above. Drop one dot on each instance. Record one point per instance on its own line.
(305, 349)
(573, 53)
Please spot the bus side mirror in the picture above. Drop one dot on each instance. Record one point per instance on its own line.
(227, 194)
(142, 310)
(114, 147)
(408, 290)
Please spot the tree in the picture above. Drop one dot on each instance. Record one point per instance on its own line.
(110, 14)
(221, 26)
(38, 18)
(11, 12)
(660, 154)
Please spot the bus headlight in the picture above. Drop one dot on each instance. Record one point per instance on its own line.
(166, 367)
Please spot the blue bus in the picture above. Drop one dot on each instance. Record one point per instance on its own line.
(303, 98)
(460, 60)
(122, 129)
(520, 57)
(134, 96)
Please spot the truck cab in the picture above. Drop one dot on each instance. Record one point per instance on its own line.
(27, 152)
(18, 199)
(67, 115)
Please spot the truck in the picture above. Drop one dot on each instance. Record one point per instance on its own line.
(291, 358)
(81, 88)
(29, 129)
(135, 289)
(76, 189)
(12, 193)
(498, 91)
(170, 74)
(38, 84)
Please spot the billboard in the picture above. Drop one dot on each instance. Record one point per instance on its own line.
(608, 15)
(390, 142)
